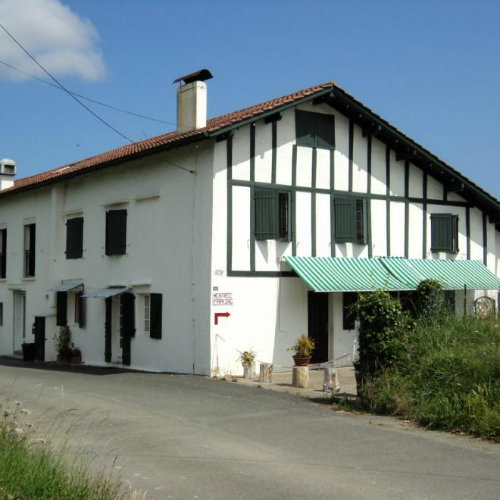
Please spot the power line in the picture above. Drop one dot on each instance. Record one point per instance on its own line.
(84, 97)
(62, 87)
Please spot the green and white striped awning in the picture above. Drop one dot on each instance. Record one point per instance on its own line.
(452, 274)
(342, 274)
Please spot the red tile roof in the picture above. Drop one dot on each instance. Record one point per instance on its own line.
(216, 126)
(160, 142)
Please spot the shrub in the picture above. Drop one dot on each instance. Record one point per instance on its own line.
(430, 300)
(383, 331)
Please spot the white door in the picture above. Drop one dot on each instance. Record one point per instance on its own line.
(19, 320)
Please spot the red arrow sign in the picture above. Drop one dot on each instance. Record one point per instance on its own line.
(220, 315)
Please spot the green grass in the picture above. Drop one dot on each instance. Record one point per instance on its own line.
(448, 378)
(32, 472)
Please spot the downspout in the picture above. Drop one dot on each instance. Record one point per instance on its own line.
(465, 300)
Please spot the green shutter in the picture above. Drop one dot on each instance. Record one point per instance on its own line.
(116, 232)
(32, 250)
(444, 233)
(74, 238)
(62, 308)
(305, 128)
(325, 133)
(155, 305)
(267, 224)
(345, 219)
(82, 303)
(3, 254)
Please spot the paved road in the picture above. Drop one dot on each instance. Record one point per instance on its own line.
(187, 437)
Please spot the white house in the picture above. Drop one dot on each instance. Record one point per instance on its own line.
(236, 233)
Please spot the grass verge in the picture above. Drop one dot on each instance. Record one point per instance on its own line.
(35, 472)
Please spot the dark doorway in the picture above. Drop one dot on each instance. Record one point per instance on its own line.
(317, 323)
(39, 332)
(107, 329)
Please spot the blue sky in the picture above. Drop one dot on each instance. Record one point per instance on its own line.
(431, 68)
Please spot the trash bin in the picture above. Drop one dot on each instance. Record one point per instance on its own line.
(29, 351)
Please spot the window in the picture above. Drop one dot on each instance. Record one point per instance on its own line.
(79, 309)
(74, 238)
(62, 308)
(272, 215)
(350, 220)
(349, 316)
(29, 249)
(444, 233)
(153, 315)
(3, 253)
(116, 232)
(316, 130)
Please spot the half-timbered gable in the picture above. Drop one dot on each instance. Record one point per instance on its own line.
(237, 233)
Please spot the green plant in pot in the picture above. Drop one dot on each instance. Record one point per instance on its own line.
(302, 349)
(66, 351)
(247, 359)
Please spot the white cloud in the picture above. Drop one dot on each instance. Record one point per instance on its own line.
(60, 40)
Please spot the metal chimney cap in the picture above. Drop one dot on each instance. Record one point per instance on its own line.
(197, 76)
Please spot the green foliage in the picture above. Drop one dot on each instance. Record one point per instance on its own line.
(383, 331)
(247, 357)
(430, 300)
(304, 346)
(447, 377)
(35, 473)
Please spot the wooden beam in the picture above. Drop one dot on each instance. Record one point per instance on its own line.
(273, 118)
(454, 187)
(371, 129)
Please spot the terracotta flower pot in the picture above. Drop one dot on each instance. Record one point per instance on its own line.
(301, 360)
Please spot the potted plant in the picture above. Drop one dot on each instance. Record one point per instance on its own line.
(302, 349)
(247, 359)
(66, 351)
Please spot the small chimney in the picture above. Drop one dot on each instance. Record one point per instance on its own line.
(7, 173)
(192, 101)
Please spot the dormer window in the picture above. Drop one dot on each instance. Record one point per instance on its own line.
(315, 130)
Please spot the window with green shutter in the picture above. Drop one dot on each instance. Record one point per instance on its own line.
(116, 232)
(444, 233)
(74, 238)
(272, 215)
(350, 220)
(315, 130)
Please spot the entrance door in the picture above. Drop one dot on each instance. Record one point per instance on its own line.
(127, 325)
(19, 321)
(107, 329)
(39, 332)
(317, 322)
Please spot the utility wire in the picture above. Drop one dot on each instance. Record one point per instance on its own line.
(121, 110)
(62, 87)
